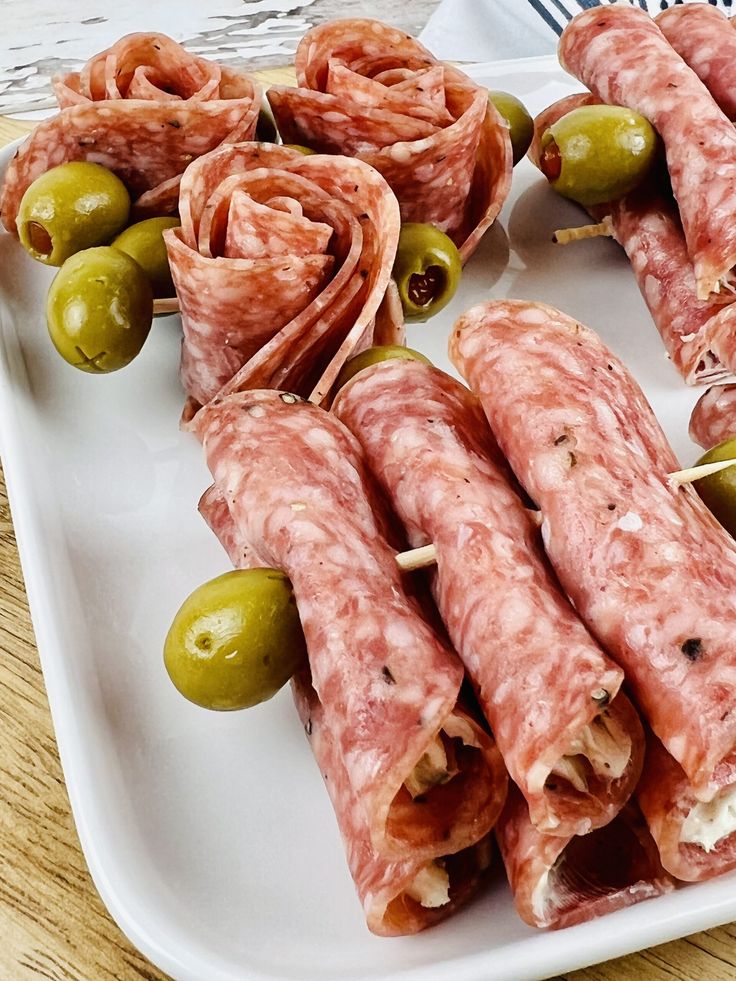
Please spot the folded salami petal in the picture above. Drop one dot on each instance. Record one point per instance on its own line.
(144, 109)
(714, 416)
(699, 336)
(370, 91)
(429, 781)
(647, 567)
(281, 264)
(624, 59)
(557, 882)
(570, 740)
(696, 840)
(704, 37)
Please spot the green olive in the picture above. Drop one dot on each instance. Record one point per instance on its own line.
(718, 490)
(427, 270)
(299, 148)
(236, 640)
(144, 242)
(521, 124)
(99, 310)
(71, 207)
(597, 154)
(266, 131)
(374, 355)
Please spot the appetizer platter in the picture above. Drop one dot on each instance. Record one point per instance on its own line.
(551, 696)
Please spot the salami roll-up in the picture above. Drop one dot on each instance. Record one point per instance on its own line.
(646, 565)
(569, 738)
(714, 417)
(699, 336)
(145, 108)
(281, 264)
(557, 882)
(621, 55)
(429, 780)
(705, 38)
(370, 91)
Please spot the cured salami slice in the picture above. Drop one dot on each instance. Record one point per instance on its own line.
(144, 109)
(624, 59)
(373, 92)
(714, 416)
(557, 882)
(570, 740)
(696, 840)
(647, 566)
(699, 336)
(704, 37)
(428, 781)
(281, 264)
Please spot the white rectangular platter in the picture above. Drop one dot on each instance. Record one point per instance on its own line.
(210, 836)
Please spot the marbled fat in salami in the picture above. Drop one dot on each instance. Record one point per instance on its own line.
(428, 781)
(705, 38)
(713, 419)
(699, 336)
(281, 265)
(557, 882)
(144, 109)
(647, 566)
(570, 740)
(624, 59)
(373, 92)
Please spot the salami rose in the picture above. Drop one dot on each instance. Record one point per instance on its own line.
(714, 416)
(144, 109)
(647, 567)
(557, 882)
(620, 54)
(570, 739)
(373, 92)
(281, 265)
(699, 336)
(427, 780)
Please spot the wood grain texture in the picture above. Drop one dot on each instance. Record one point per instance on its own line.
(52, 922)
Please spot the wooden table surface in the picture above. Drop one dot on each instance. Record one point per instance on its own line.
(52, 922)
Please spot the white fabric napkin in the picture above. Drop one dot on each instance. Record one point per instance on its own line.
(491, 30)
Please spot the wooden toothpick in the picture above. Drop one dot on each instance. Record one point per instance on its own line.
(168, 305)
(603, 229)
(417, 558)
(689, 474)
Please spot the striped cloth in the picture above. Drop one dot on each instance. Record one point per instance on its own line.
(556, 13)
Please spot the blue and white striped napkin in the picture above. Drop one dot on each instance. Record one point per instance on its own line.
(490, 30)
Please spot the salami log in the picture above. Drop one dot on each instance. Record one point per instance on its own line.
(647, 566)
(704, 37)
(427, 780)
(144, 109)
(557, 882)
(373, 92)
(620, 54)
(569, 738)
(714, 416)
(281, 265)
(699, 336)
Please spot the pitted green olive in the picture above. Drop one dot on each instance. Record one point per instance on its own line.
(718, 490)
(144, 242)
(71, 207)
(266, 131)
(427, 270)
(300, 149)
(374, 355)
(236, 640)
(521, 124)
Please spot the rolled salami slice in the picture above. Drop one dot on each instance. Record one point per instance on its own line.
(428, 780)
(699, 336)
(647, 567)
(704, 37)
(557, 882)
(145, 108)
(569, 738)
(281, 264)
(620, 54)
(714, 416)
(696, 839)
(370, 91)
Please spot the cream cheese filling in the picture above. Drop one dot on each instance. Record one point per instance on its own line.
(711, 822)
(430, 887)
(602, 746)
(433, 768)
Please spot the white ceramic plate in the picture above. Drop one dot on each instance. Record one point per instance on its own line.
(210, 836)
